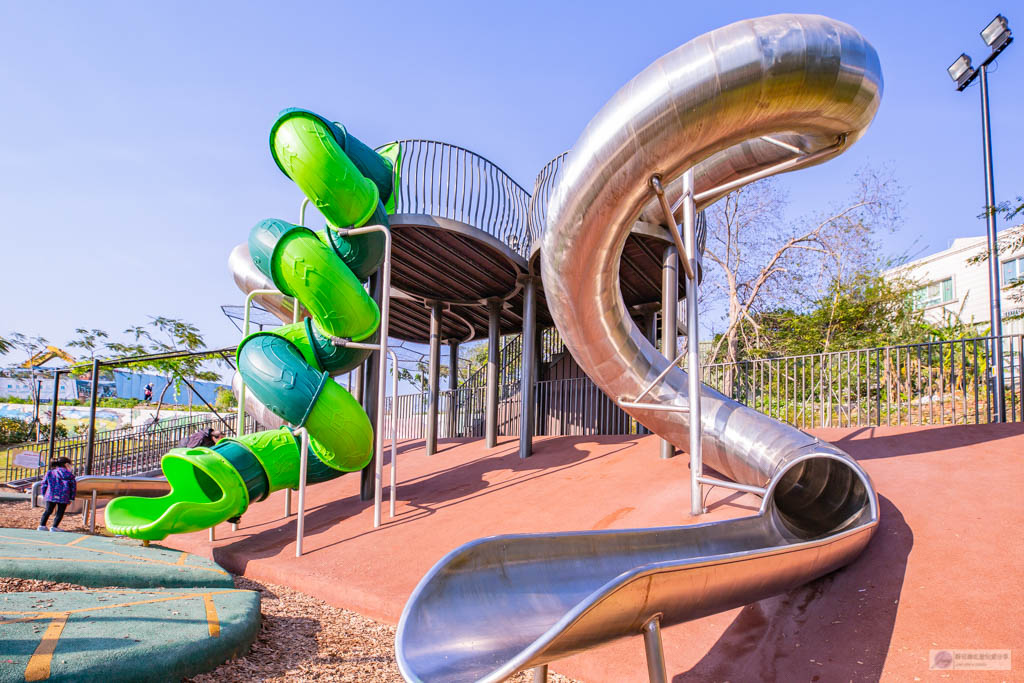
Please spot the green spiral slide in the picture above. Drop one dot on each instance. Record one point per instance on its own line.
(289, 369)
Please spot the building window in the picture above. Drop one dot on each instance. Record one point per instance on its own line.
(936, 293)
(1012, 271)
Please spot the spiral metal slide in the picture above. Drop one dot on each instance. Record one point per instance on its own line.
(288, 370)
(748, 100)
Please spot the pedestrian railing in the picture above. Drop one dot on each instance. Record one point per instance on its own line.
(940, 382)
(117, 452)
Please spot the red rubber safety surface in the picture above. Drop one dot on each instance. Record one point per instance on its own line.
(943, 571)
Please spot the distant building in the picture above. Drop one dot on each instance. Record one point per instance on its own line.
(949, 283)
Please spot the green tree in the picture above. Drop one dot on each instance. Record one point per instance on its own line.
(474, 361)
(225, 400)
(420, 376)
(758, 260)
(89, 341)
(868, 310)
(1011, 241)
(163, 335)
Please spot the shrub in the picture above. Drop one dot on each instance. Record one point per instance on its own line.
(14, 431)
(225, 399)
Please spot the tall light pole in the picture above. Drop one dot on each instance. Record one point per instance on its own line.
(997, 36)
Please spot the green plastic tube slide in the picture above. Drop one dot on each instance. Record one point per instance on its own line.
(289, 369)
(206, 489)
(346, 180)
(214, 485)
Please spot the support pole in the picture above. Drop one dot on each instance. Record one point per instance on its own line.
(53, 413)
(287, 502)
(540, 673)
(357, 382)
(92, 518)
(300, 522)
(383, 285)
(371, 389)
(493, 361)
(527, 409)
(994, 289)
(453, 385)
(91, 443)
(692, 344)
(651, 326)
(434, 376)
(669, 306)
(656, 672)
(394, 429)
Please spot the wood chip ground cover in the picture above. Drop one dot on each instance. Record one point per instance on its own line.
(302, 638)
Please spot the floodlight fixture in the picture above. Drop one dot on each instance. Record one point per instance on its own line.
(997, 34)
(961, 71)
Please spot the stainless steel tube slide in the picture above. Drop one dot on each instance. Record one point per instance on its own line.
(751, 99)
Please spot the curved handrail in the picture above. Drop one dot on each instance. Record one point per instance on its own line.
(542, 187)
(448, 181)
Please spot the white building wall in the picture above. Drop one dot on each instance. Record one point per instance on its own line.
(970, 282)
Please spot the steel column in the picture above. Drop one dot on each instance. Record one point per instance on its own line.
(650, 321)
(433, 375)
(540, 673)
(357, 383)
(91, 442)
(300, 522)
(53, 413)
(371, 389)
(669, 306)
(493, 361)
(994, 289)
(453, 384)
(527, 409)
(655, 651)
(692, 344)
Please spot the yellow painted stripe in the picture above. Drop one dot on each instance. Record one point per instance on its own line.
(38, 668)
(76, 541)
(181, 560)
(211, 616)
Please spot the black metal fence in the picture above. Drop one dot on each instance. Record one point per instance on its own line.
(940, 382)
(118, 452)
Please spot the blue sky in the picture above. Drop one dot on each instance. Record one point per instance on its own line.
(135, 134)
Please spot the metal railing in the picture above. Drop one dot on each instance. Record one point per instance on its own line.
(117, 452)
(510, 359)
(441, 179)
(565, 407)
(940, 382)
(543, 185)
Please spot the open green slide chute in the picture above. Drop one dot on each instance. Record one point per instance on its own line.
(289, 369)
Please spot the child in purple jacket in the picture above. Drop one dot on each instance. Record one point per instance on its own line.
(59, 487)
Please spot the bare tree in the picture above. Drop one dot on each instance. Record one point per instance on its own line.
(763, 261)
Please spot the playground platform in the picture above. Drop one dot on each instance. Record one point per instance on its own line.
(941, 573)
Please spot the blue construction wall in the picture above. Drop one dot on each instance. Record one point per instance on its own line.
(133, 385)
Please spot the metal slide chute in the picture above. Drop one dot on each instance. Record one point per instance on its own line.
(752, 99)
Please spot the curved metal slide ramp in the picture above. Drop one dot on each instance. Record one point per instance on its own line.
(754, 98)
